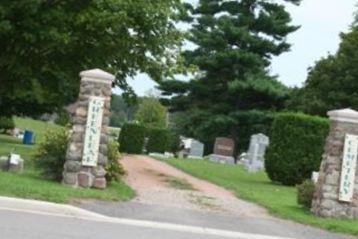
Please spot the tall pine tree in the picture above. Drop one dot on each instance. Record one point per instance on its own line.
(232, 92)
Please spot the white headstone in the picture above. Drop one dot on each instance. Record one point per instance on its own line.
(256, 154)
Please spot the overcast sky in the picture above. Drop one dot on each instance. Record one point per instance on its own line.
(321, 22)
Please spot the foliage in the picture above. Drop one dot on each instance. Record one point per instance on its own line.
(151, 113)
(174, 143)
(45, 44)
(114, 168)
(51, 154)
(158, 140)
(131, 138)
(121, 112)
(331, 83)
(6, 123)
(296, 147)
(235, 43)
(256, 187)
(305, 193)
(63, 118)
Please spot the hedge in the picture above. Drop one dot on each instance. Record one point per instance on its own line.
(296, 146)
(131, 138)
(6, 123)
(159, 140)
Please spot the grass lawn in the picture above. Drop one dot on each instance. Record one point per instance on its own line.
(279, 200)
(30, 184)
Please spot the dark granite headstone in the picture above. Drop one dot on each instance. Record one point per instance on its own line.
(224, 146)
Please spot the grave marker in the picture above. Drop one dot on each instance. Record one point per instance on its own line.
(223, 151)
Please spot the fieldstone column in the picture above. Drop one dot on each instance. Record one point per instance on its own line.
(87, 150)
(336, 194)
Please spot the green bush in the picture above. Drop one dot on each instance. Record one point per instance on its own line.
(6, 123)
(158, 140)
(174, 143)
(131, 138)
(296, 147)
(305, 193)
(114, 168)
(63, 118)
(51, 154)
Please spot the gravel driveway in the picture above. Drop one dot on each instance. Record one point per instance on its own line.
(151, 180)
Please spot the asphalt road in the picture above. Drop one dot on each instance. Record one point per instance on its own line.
(29, 219)
(251, 225)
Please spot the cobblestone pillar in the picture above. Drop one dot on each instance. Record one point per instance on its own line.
(87, 151)
(334, 173)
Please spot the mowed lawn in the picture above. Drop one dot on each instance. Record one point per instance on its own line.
(279, 200)
(31, 185)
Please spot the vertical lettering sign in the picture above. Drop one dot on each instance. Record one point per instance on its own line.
(93, 131)
(348, 172)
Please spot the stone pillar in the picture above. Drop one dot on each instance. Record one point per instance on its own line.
(336, 194)
(87, 150)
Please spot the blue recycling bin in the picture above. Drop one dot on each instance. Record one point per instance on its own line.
(29, 137)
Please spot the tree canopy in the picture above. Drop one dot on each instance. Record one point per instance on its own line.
(151, 113)
(46, 43)
(332, 82)
(235, 42)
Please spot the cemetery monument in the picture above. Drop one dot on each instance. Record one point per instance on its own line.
(255, 157)
(223, 151)
(192, 148)
(87, 150)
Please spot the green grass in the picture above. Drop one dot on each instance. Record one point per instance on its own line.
(10, 144)
(31, 185)
(256, 187)
(38, 127)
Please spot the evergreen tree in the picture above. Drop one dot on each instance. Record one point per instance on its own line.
(235, 43)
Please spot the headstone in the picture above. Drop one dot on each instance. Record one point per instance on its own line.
(255, 158)
(196, 149)
(223, 151)
(336, 194)
(16, 163)
(12, 163)
(87, 151)
(191, 148)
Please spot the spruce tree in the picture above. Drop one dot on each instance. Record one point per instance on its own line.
(232, 88)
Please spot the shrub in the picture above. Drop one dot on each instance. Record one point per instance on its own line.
(6, 123)
(51, 154)
(114, 168)
(131, 138)
(296, 146)
(158, 140)
(305, 193)
(63, 118)
(174, 143)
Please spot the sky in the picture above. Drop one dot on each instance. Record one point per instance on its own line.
(321, 22)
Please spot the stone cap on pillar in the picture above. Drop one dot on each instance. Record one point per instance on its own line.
(344, 115)
(97, 75)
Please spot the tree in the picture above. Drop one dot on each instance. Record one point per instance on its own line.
(151, 113)
(235, 42)
(46, 43)
(121, 112)
(332, 82)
